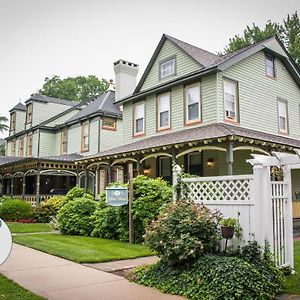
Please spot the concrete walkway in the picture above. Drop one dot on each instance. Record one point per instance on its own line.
(56, 278)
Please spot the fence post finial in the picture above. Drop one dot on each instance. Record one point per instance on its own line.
(176, 173)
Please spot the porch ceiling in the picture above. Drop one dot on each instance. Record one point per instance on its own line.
(208, 134)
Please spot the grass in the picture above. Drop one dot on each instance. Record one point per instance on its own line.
(82, 249)
(9, 290)
(292, 285)
(28, 227)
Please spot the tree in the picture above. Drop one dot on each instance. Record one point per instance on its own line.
(3, 126)
(78, 88)
(288, 32)
(2, 150)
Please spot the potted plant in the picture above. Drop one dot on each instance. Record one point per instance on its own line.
(228, 226)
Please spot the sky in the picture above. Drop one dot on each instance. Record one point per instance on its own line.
(41, 38)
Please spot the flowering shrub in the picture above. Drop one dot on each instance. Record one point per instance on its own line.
(183, 232)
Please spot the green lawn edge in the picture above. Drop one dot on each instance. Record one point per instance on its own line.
(82, 249)
(10, 290)
(16, 227)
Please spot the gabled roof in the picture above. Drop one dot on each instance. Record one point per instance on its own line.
(210, 65)
(46, 99)
(19, 106)
(104, 104)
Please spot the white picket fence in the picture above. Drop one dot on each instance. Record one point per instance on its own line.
(258, 203)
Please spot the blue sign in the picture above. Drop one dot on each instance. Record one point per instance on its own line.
(116, 196)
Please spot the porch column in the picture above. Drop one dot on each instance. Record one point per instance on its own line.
(38, 181)
(24, 186)
(97, 183)
(109, 173)
(138, 166)
(229, 157)
(77, 176)
(11, 186)
(86, 179)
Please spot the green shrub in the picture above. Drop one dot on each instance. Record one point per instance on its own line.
(55, 202)
(15, 209)
(74, 218)
(43, 214)
(184, 231)
(78, 192)
(106, 223)
(215, 277)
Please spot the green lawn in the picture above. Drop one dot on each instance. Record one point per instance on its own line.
(292, 285)
(82, 249)
(9, 290)
(28, 227)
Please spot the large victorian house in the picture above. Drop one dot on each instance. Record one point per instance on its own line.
(205, 112)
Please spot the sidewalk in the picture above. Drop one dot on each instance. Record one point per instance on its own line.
(56, 278)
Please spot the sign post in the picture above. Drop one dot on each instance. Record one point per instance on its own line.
(130, 199)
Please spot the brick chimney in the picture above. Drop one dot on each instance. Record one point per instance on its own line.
(125, 78)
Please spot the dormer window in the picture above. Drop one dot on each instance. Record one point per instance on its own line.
(109, 124)
(29, 114)
(13, 122)
(167, 68)
(270, 66)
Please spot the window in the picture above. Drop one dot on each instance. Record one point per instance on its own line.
(29, 114)
(192, 104)
(21, 147)
(13, 121)
(163, 111)
(64, 141)
(195, 163)
(167, 68)
(282, 116)
(29, 144)
(13, 148)
(230, 100)
(109, 124)
(85, 137)
(139, 119)
(270, 66)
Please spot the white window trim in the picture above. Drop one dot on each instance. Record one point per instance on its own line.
(85, 148)
(267, 55)
(167, 60)
(187, 121)
(228, 118)
(140, 133)
(284, 131)
(160, 128)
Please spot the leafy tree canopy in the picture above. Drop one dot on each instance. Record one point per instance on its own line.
(3, 126)
(288, 32)
(78, 88)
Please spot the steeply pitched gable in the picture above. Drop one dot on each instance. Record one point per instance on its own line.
(188, 59)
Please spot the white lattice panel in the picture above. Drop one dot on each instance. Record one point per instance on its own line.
(222, 188)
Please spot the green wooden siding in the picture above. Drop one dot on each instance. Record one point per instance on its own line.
(184, 65)
(110, 139)
(258, 95)
(208, 98)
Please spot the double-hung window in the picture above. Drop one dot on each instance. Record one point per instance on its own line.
(21, 147)
(282, 117)
(29, 144)
(270, 66)
(192, 104)
(29, 114)
(13, 121)
(85, 137)
(64, 141)
(230, 100)
(139, 119)
(163, 113)
(13, 148)
(167, 68)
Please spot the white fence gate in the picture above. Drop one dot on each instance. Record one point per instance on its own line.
(263, 207)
